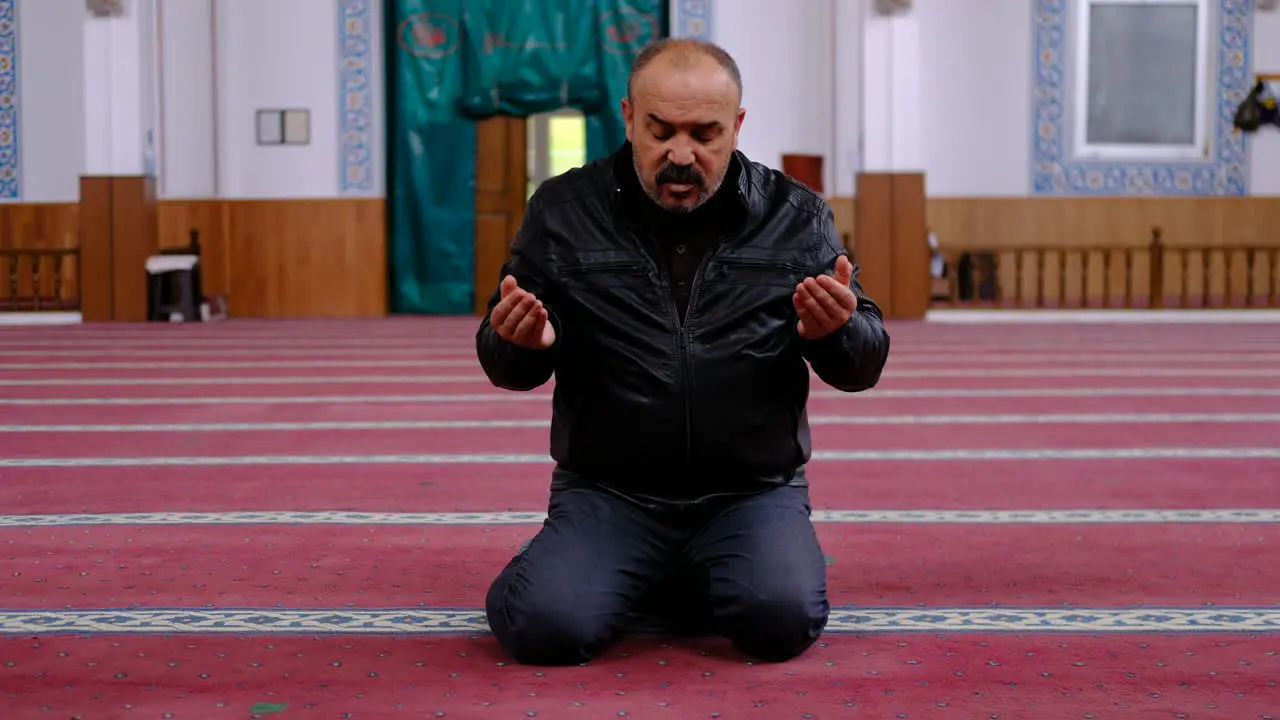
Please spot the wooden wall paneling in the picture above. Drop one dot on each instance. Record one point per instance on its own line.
(39, 226)
(177, 218)
(502, 179)
(843, 209)
(97, 277)
(307, 258)
(133, 237)
(909, 252)
(873, 233)
(998, 223)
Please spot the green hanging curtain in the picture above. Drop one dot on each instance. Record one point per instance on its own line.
(524, 58)
(451, 62)
(626, 26)
(431, 150)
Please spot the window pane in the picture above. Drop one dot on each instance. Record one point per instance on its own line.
(1142, 74)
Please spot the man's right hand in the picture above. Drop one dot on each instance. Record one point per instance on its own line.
(520, 319)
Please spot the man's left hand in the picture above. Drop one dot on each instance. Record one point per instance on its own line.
(825, 303)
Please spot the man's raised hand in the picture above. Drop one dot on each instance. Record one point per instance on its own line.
(825, 303)
(520, 318)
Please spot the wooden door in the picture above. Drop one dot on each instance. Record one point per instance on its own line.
(501, 185)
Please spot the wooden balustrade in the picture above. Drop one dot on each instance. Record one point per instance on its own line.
(46, 280)
(1156, 275)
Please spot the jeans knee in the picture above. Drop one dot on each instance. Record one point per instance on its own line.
(539, 629)
(778, 626)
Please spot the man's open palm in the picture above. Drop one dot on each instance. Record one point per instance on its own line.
(825, 303)
(520, 318)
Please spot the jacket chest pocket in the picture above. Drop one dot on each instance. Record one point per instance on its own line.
(755, 271)
(579, 275)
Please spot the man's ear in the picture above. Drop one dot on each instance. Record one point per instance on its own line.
(628, 114)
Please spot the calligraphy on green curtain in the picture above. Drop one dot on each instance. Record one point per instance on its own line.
(524, 58)
(429, 36)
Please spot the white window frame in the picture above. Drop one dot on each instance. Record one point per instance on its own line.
(1198, 149)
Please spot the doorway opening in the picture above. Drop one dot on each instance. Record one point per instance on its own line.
(557, 143)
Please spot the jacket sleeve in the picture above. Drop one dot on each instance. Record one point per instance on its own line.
(851, 358)
(509, 366)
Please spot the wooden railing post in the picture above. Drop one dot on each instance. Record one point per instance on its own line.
(1156, 272)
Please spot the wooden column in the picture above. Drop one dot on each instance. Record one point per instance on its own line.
(118, 232)
(891, 242)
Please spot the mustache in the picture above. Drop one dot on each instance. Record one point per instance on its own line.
(672, 174)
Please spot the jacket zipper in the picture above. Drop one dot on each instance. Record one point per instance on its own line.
(763, 264)
(686, 348)
(684, 343)
(605, 267)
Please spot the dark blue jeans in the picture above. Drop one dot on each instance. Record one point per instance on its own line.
(748, 568)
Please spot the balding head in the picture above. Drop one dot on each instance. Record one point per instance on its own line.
(683, 113)
(683, 53)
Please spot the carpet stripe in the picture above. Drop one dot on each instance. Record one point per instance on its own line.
(1206, 453)
(912, 517)
(440, 620)
(112, 349)
(469, 362)
(378, 359)
(416, 379)
(1131, 392)
(990, 419)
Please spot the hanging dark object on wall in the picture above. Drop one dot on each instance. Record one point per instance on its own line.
(1257, 109)
(105, 8)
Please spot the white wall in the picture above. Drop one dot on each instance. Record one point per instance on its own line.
(784, 49)
(1264, 147)
(975, 60)
(188, 161)
(802, 64)
(276, 54)
(219, 62)
(51, 99)
(975, 76)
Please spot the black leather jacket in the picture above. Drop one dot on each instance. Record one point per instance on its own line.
(648, 405)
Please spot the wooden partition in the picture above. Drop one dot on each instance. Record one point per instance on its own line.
(39, 257)
(117, 234)
(502, 177)
(1081, 252)
(889, 242)
(1113, 252)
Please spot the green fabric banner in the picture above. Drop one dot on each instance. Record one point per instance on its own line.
(525, 58)
(451, 62)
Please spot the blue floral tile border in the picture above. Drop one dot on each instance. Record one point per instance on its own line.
(1055, 172)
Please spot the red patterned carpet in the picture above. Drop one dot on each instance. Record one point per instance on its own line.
(300, 519)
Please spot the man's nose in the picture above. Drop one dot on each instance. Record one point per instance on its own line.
(681, 153)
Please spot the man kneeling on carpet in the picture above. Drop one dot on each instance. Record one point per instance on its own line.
(675, 290)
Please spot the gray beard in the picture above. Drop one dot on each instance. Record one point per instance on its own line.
(704, 194)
